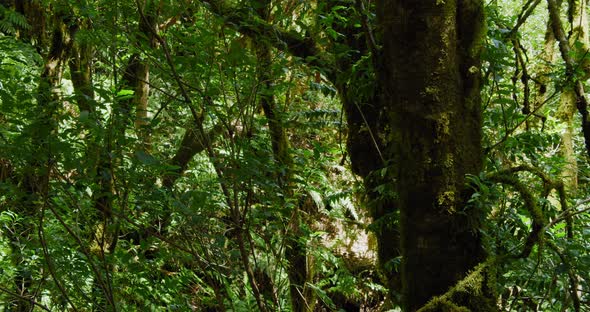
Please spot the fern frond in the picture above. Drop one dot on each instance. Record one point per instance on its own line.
(16, 19)
(7, 28)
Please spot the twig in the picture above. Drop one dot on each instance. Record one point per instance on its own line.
(50, 264)
(527, 10)
(31, 300)
(371, 42)
(568, 213)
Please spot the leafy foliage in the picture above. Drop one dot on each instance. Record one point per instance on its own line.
(192, 207)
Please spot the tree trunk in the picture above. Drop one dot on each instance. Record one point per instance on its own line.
(543, 80)
(147, 26)
(565, 114)
(430, 88)
(568, 100)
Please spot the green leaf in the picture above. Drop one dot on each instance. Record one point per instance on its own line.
(322, 295)
(146, 158)
(125, 94)
(84, 116)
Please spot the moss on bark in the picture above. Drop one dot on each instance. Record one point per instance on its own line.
(430, 87)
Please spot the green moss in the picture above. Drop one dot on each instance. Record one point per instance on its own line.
(474, 28)
(447, 201)
(469, 294)
(443, 123)
(536, 235)
(449, 161)
(439, 304)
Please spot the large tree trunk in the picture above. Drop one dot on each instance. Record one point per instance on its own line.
(429, 79)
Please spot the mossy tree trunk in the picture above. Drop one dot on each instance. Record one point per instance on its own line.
(542, 81)
(430, 88)
(567, 105)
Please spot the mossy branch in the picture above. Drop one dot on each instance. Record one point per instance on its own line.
(507, 177)
(299, 45)
(480, 278)
(530, 203)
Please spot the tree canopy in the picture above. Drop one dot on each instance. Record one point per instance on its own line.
(287, 155)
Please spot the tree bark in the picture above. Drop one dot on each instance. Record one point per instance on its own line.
(148, 25)
(566, 112)
(570, 64)
(430, 88)
(567, 104)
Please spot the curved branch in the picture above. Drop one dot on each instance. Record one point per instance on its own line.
(548, 185)
(472, 282)
(302, 46)
(530, 204)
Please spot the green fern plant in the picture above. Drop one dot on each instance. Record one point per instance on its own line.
(11, 21)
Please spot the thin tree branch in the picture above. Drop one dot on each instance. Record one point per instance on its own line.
(531, 206)
(527, 10)
(32, 301)
(50, 264)
(371, 42)
(301, 46)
